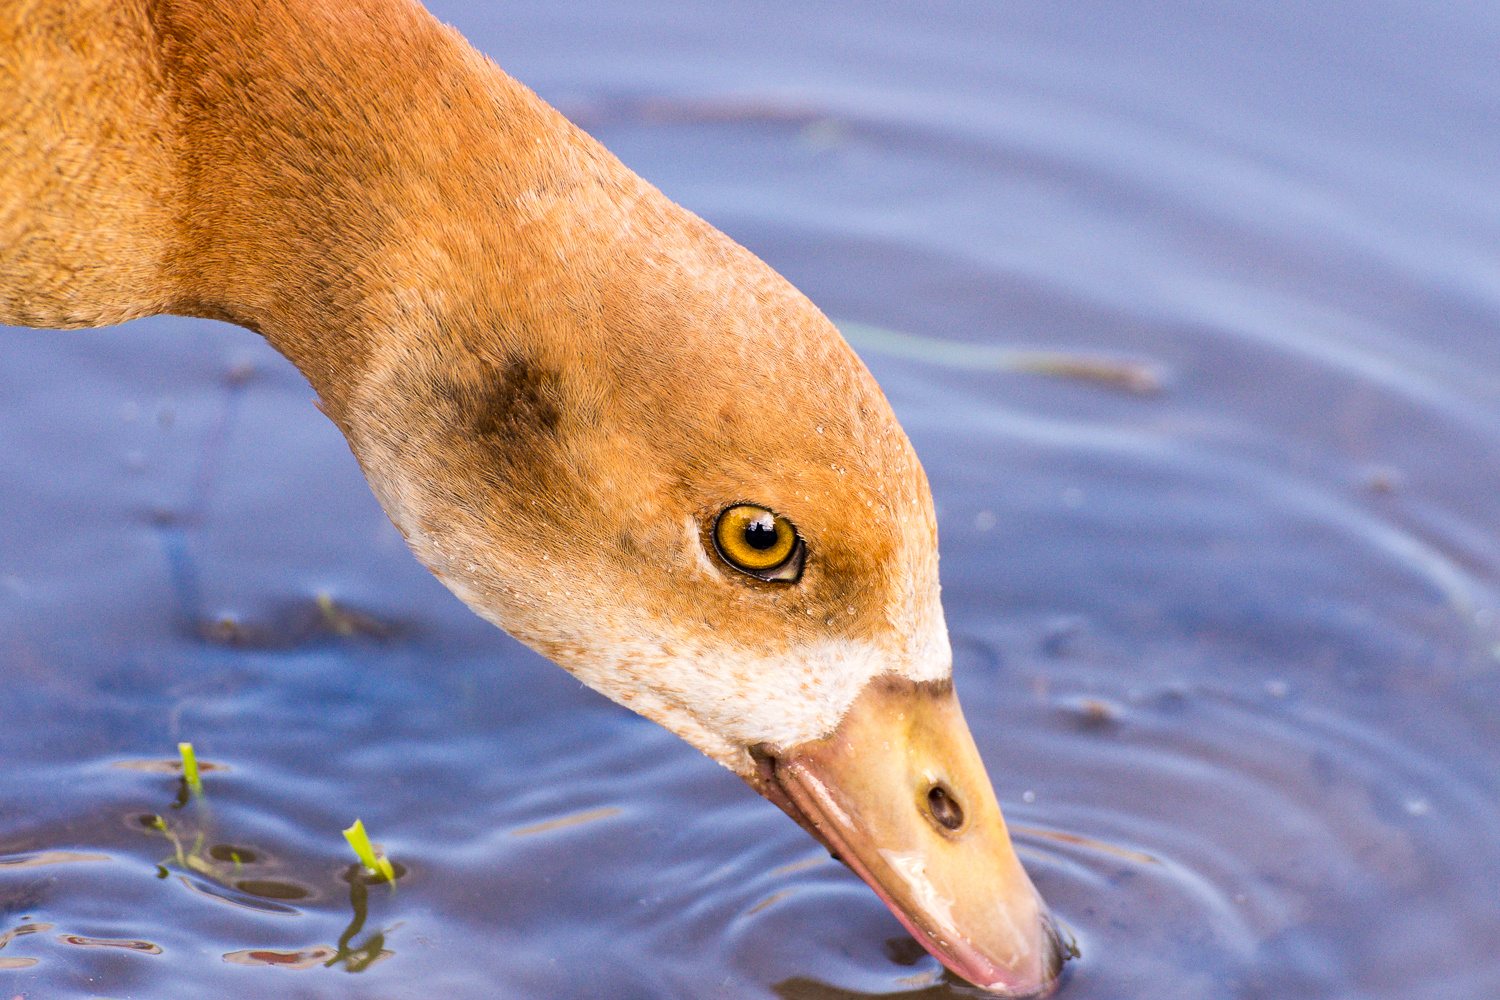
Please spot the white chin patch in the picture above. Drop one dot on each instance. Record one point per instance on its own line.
(742, 701)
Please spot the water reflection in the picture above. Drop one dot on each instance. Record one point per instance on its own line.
(359, 957)
(305, 958)
(353, 956)
(129, 944)
(39, 858)
(229, 872)
(295, 623)
(20, 961)
(928, 986)
(350, 954)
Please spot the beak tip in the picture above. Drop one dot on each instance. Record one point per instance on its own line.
(1041, 977)
(882, 798)
(1058, 948)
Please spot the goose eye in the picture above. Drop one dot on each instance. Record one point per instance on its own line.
(754, 540)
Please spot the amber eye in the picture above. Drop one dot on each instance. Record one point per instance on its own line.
(754, 540)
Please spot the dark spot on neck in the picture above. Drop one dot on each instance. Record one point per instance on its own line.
(512, 411)
(517, 400)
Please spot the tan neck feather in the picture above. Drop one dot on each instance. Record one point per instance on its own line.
(88, 165)
(314, 171)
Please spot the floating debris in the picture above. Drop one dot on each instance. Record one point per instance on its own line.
(1078, 840)
(803, 865)
(1092, 714)
(587, 816)
(769, 901)
(1137, 376)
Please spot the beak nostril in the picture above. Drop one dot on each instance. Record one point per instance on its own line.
(944, 808)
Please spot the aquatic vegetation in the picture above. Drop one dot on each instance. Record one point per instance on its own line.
(376, 863)
(202, 863)
(190, 768)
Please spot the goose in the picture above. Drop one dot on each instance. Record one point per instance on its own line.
(605, 426)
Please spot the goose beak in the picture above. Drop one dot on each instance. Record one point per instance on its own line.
(899, 793)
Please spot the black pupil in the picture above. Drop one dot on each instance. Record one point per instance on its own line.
(760, 534)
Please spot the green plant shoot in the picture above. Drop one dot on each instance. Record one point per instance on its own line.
(374, 863)
(190, 767)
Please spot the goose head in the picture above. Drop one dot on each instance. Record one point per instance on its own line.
(663, 468)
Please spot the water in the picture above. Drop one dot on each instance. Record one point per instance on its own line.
(1191, 314)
